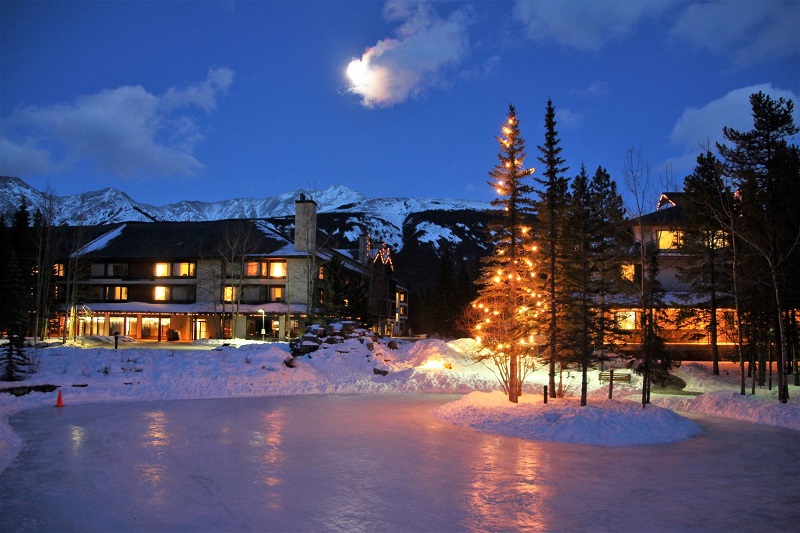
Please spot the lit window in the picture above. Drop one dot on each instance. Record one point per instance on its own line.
(58, 270)
(321, 272)
(669, 240)
(719, 239)
(275, 294)
(229, 293)
(252, 269)
(626, 320)
(402, 296)
(184, 270)
(118, 293)
(160, 294)
(162, 270)
(277, 269)
(628, 272)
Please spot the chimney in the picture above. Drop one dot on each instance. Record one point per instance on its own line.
(305, 225)
(363, 249)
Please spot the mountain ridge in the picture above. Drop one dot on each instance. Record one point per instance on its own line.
(419, 230)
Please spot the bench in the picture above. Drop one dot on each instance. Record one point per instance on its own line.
(618, 376)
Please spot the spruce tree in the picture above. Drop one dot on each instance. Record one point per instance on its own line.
(612, 249)
(577, 290)
(501, 316)
(14, 357)
(342, 293)
(550, 210)
(705, 244)
(765, 169)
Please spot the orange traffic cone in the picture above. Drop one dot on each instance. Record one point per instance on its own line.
(60, 401)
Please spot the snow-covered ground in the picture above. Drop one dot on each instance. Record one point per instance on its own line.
(95, 372)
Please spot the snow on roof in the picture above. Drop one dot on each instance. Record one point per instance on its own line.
(100, 242)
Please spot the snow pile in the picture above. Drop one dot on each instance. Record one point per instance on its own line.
(606, 423)
(721, 396)
(92, 371)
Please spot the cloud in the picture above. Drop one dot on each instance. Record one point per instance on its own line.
(18, 159)
(597, 88)
(699, 127)
(403, 66)
(750, 31)
(127, 131)
(568, 118)
(584, 24)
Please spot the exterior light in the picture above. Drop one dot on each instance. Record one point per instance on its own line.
(263, 324)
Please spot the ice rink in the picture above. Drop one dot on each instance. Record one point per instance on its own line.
(377, 463)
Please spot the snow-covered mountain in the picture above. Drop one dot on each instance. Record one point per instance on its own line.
(421, 229)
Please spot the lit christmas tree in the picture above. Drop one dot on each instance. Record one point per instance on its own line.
(503, 317)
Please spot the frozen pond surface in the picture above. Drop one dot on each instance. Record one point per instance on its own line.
(377, 463)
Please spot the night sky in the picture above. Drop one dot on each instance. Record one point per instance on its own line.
(209, 101)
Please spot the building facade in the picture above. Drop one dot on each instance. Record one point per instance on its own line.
(237, 278)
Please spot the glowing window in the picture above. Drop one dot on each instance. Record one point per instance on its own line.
(160, 294)
(626, 320)
(58, 270)
(229, 293)
(162, 270)
(275, 294)
(118, 293)
(185, 270)
(252, 269)
(669, 240)
(277, 269)
(628, 272)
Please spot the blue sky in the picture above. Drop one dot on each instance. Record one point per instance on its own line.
(217, 100)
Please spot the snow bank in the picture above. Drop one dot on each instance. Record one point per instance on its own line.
(604, 423)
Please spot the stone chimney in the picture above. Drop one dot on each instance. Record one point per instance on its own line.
(305, 225)
(363, 249)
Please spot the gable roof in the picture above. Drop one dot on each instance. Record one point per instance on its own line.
(669, 211)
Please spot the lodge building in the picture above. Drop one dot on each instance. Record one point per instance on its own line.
(685, 328)
(237, 278)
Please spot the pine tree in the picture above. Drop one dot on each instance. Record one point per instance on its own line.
(501, 316)
(653, 363)
(765, 170)
(577, 290)
(612, 249)
(593, 245)
(705, 243)
(342, 292)
(550, 210)
(12, 320)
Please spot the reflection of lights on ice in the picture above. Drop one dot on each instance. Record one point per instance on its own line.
(77, 437)
(433, 363)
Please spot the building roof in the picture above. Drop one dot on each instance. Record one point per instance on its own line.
(174, 240)
(669, 211)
